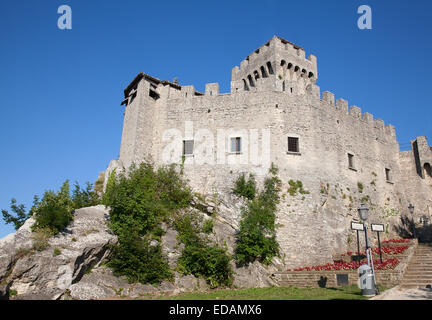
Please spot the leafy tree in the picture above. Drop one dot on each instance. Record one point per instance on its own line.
(54, 210)
(82, 198)
(20, 214)
(139, 202)
(199, 257)
(256, 239)
(139, 261)
(245, 188)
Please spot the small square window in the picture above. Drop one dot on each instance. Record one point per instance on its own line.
(236, 145)
(351, 161)
(293, 144)
(188, 147)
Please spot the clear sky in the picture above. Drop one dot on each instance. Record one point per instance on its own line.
(61, 89)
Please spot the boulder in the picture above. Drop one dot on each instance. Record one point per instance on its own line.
(46, 274)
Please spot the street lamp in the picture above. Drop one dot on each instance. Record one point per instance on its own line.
(411, 210)
(363, 212)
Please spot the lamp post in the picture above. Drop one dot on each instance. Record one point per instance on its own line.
(364, 214)
(411, 210)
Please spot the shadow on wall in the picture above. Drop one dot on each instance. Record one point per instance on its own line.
(406, 230)
(322, 282)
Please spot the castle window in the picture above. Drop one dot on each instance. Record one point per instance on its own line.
(154, 94)
(251, 81)
(245, 86)
(188, 147)
(311, 75)
(388, 175)
(351, 161)
(263, 72)
(293, 144)
(270, 68)
(428, 169)
(290, 66)
(283, 63)
(236, 145)
(256, 75)
(132, 97)
(296, 69)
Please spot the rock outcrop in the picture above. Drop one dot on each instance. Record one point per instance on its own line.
(46, 274)
(70, 265)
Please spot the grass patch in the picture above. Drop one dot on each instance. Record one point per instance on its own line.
(271, 293)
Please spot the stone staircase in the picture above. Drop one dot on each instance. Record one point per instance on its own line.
(418, 273)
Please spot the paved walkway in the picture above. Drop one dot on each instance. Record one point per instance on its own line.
(398, 293)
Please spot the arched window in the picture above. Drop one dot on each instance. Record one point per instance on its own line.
(290, 66)
(311, 75)
(256, 75)
(270, 68)
(251, 81)
(263, 72)
(245, 86)
(297, 68)
(283, 63)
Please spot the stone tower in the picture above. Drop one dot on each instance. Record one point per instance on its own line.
(278, 65)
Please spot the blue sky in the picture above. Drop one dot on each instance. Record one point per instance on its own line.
(61, 89)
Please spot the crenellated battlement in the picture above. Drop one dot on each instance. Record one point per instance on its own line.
(275, 66)
(341, 105)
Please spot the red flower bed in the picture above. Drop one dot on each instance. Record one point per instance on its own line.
(391, 250)
(397, 241)
(387, 264)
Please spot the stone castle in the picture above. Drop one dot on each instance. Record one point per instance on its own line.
(276, 113)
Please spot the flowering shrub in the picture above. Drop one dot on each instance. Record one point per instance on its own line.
(391, 250)
(387, 264)
(397, 241)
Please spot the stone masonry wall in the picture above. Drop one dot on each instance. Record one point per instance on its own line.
(313, 226)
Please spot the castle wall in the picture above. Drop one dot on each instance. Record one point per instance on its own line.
(313, 225)
(317, 222)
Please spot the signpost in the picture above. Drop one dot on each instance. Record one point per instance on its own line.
(357, 226)
(378, 228)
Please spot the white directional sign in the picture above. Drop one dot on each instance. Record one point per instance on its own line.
(377, 227)
(357, 226)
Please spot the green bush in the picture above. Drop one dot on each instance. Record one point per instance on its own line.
(136, 259)
(82, 198)
(199, 257)
(55, 209)
(56, 252)
(256, 239)
(139, 202)
(207, 226)
(210, 262)
(245, 188)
